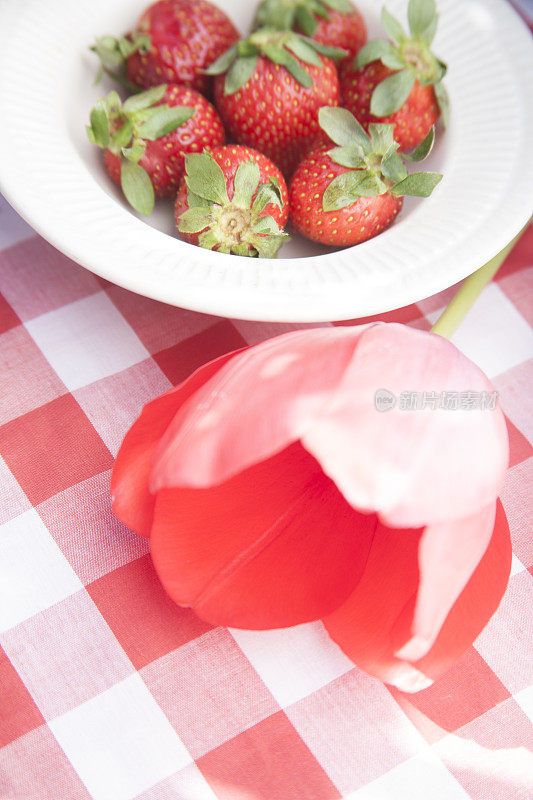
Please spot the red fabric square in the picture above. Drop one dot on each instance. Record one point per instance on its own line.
(514, 388)
(28, 380)
(37, 278)
(147, 623)
(267, 762)
(519, 289)
(8, 318)
(179, 361)
(52, 448)
(157, 325)
(520, 257)
(34, 767)
(467, 690)
(519, 446)
(225, 698)
(18, 712)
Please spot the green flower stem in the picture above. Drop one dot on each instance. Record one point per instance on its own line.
(465, 298)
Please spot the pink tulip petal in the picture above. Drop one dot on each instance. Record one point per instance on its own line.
(413, 467)
(133, 503)
(448, 554)
(276, 545)
(319, 386)
(260, 403)
(476, 604)
(373, 625)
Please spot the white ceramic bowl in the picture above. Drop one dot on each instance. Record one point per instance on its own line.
(55, 179)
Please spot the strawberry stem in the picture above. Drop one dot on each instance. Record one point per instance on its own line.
(467, 295)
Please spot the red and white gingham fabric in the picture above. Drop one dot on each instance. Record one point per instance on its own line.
(108, 690)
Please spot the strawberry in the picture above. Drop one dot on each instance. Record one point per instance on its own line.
(399, 82)
(175, 40)
(269, 89)
(352, 192)
(233, 200)
(146, 139)
(336, 23)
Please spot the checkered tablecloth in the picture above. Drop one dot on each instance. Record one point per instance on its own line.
(108, 690)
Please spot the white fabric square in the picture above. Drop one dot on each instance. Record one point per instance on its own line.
(189, 784)
(516, 566)
(419, 778)
(34, 573)
(494, 335)
(87, 340)
(293, 662)
(525, 701)
(12, 499)
(361, 713)
(120, 743)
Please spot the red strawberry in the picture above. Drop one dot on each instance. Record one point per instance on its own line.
(348, 194)
(399, 83)
(234, 200)
(337, 23)
(175, 40)
(269, 89)
(146, 139)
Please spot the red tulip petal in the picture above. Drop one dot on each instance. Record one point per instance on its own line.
(133, 503)
(376, 620)
(448, 554)
(276, 545)
(255, 407)
(413, 467)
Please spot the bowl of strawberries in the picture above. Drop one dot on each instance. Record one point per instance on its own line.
(263, 160)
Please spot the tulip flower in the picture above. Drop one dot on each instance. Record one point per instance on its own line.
(276, 489)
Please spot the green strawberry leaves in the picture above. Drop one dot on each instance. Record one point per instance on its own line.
(391, 94)
(239, 73)
(409, 56)
(342, 127)
(137, 187)
(392, 26)
(283, 16)
(113, 53)
(204, 177)
(372, 161)
(443, 100)
(419, 184)
(99, 125)
(345, 189)
(165, 121)
(125, 128)
(246, 183)
(195, 219)
(281, 47)
(238, 226)
(379, 50)
(424, 148)
(422, 16)
(278, 55)
(138, 102)
(266, 194)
